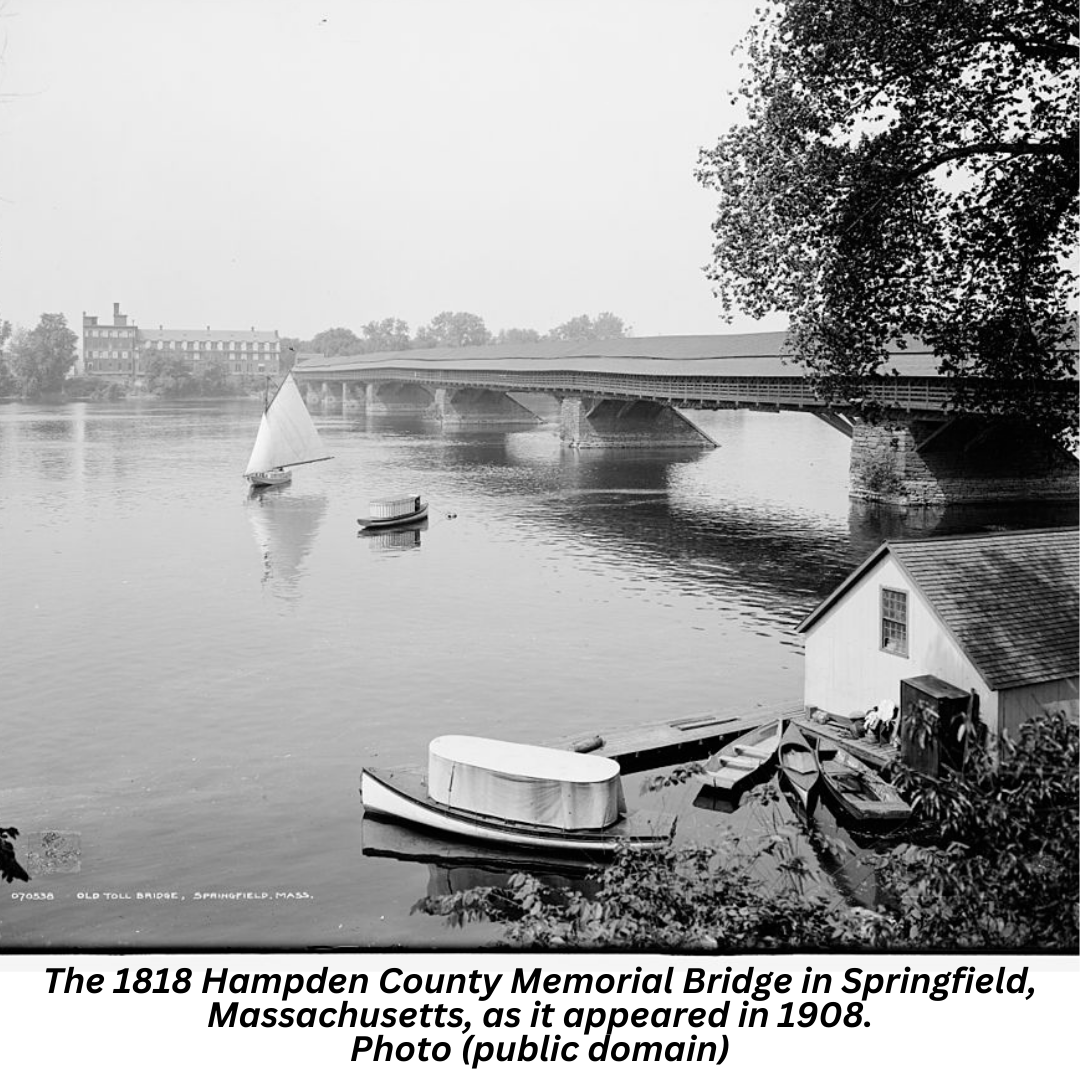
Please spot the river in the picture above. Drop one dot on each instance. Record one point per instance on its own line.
(193, 678)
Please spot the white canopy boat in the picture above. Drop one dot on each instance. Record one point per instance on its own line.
(511, 793)
(392, 511)
(286, 437)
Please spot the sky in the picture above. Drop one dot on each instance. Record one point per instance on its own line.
(295, 165)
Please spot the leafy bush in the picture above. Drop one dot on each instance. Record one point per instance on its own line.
(702, 898)
(999, 865)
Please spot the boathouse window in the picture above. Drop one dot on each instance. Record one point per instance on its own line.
(894, 622)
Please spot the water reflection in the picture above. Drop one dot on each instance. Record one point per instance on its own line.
(404, 538)
(821, 842)
(284, 525)
(456, 866)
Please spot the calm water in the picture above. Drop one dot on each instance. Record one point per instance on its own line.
(192, 678)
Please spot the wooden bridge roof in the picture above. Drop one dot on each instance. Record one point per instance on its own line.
(761, 355)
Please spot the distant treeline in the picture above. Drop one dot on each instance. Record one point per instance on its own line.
(449, 329)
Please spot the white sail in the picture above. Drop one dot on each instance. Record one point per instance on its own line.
(287, 434)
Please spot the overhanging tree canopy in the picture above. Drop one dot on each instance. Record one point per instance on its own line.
(909, 170)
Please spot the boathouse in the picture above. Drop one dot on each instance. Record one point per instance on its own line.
(992, 615)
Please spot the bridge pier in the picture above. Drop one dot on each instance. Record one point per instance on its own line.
(596, 422)
(465, 406)
(957, 460)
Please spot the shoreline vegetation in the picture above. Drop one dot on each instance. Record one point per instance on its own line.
(101, 388)
(990, 863)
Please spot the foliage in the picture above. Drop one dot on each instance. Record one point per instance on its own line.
(1002, 869)
(168, 373)
(40, 358)
(707, 897)
(582, 328)
(388, 335)
(213, 380)
(909, 170)
(997, 868)
(516, 336)
(93, 388)
(7, 380)
(336, 341)
(452, 329)
(290, 346)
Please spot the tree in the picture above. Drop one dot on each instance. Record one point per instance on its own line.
(514, 336)
(214, 378)
(168, 372)
(582, 328)
(290, 346)
(336, 342)
(389, 335)
(452, 329)
(42, 357)
(909, 170)
(7, 380)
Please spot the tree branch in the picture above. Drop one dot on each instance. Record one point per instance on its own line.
(1050, 148)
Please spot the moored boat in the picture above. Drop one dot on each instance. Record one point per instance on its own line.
(743, 759)
(858, 792)
(798, 766)
(387, 513)
(513, 794)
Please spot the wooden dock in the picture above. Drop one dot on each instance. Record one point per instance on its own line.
(692, 738)
(673, 742)
(876, 755)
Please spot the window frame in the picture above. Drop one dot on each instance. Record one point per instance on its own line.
(886, 615)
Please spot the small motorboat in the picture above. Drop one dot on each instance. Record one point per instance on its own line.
(798, 765)
(513, 794)
(743, 759)
(389, 513)
(859, 793)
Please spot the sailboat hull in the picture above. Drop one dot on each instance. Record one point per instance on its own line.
(272, 478)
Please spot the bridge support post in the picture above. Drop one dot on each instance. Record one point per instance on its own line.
(592, 422)
(957, 460)
(465, 406)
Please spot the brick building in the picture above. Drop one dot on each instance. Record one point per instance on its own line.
(119, 349)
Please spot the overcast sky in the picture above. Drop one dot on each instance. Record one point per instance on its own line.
(299, 164)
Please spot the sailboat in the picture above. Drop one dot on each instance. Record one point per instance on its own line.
(286, 437)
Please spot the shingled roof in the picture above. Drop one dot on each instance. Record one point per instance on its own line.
(1011, 600)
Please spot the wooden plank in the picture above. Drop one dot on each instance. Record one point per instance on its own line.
(677, 741)
(876, 754)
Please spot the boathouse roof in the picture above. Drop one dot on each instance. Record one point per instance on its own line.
(1011, 600)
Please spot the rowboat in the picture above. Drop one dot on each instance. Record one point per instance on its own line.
(393, 511)
(858, 792)
(744, 759)
(495, 792)
(798, 765)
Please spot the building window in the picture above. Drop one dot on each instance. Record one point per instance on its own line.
(894, 622)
